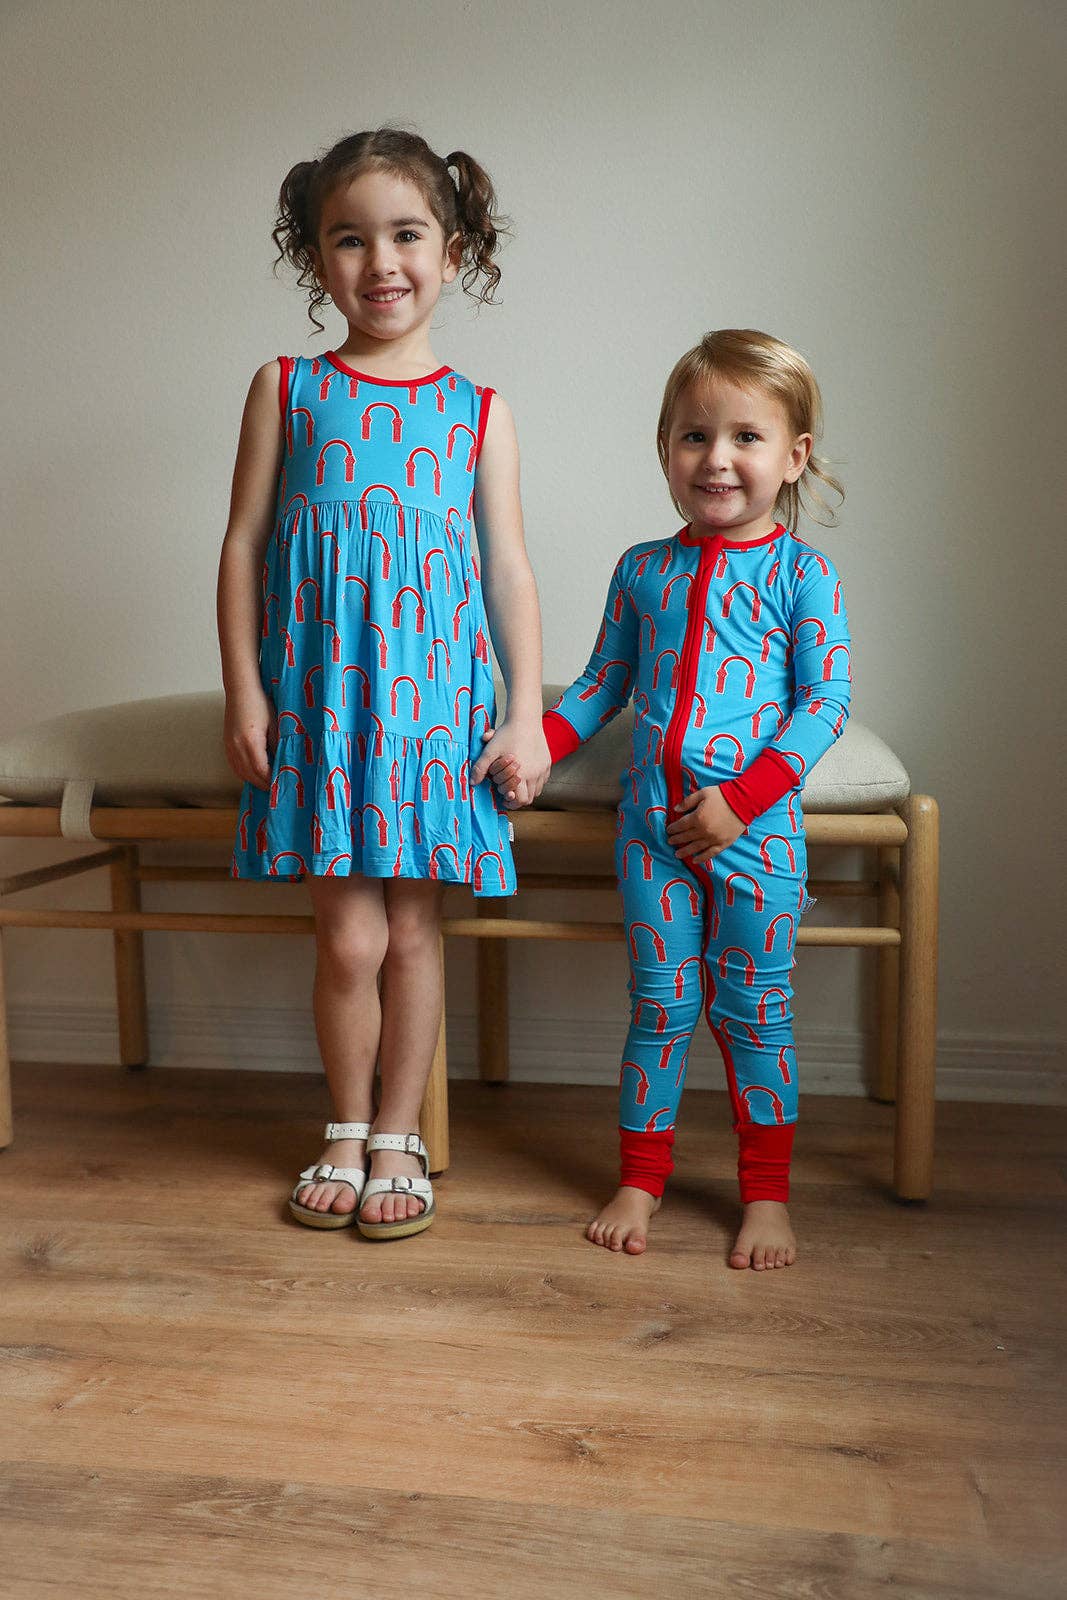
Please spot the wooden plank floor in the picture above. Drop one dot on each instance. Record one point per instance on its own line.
(201, 1399)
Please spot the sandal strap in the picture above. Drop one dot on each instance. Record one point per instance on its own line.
(323, 1172)
(347, 1130)
(408, 1144)
(421, 1188)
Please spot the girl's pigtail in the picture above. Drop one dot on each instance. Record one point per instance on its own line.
(293, 233)
(479, 223)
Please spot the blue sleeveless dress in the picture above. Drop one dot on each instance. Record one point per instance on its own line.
(375, 646)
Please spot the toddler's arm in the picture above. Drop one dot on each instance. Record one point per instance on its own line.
(251, 725)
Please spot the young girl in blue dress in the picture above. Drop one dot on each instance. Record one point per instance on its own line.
(356, 643)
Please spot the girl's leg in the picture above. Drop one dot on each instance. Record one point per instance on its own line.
(664, 909)
(757, 889)
(351, 934)
(412, 998)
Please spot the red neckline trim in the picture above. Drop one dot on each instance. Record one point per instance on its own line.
(389, 383)
(741, 544)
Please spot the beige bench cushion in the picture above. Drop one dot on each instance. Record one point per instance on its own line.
(168, 752)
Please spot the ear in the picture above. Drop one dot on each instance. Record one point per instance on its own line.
(453, 257)
(799, 456)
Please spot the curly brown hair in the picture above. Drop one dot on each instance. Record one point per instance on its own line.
(463, 205)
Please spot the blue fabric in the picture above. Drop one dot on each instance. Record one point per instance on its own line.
(770, 663)
(375, 642)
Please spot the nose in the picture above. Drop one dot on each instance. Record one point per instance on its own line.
(716, 455)
(382, 263)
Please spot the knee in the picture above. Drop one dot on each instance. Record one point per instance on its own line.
(413, 935)
(351, 950)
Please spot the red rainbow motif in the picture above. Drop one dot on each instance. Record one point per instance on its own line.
(650, 1125)
(679, 577)
(309, 688)
(746, 961)
(489, 855)
(461, 427)
(783, 1064)
(828, 662)
(364, 592)
(728, 599)
(298, 599)
(757, 716)
(284, 855)
(409, 805)
(435, 869)
(450, 788)
(674, 669)
(309, 750)
(383, 646)
(460, 692)
(309, 427)
(602, 673)
(423, 450)
(641, 1092)
(383, 824)
(765, 653)
(758, 1088)
(750, 680)
(646, 616)
(364, 519)
(646, 858)
(350, 461)
(679, 976)
(427, 571)
(761, 1008)
(659, 948)
(331, 870)
(757, 892)
(367, 419)
(431, 660)
(420, 608)
(416, 697)
(783, 916)
(765, 854)
(662, 1015)
(665, 897)
(820, 629)
(739, 753)
(455, 621)
(331, 789)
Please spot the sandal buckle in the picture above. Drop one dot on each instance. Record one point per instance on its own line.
(411, 1144)
(403, 1185)
(324, 1171)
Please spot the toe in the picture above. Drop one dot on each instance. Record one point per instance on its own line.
(738, 1258)
(635, 1244)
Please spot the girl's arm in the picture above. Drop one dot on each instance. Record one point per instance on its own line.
(511, 607)
(822, 692)
(251, 723)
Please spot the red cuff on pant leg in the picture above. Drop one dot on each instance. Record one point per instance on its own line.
(763, 1154)
(645, 1159)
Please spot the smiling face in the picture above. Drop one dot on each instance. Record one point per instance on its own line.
(382, 257)
(729, 450)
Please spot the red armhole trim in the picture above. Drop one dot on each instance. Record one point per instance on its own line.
(483, 419)
(286, 363)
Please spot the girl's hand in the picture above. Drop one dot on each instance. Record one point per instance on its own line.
(704, 827)
(517, 757)
(250, 736)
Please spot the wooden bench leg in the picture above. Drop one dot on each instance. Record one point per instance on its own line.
(6, 1127)
(129, 964)
(493, 1024)
(914, 1152)
(433, 1121)
(885, 1086)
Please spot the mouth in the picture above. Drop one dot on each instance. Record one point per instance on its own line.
(719, 490)
(386, 297)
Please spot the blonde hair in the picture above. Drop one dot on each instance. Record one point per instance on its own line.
(753, 360)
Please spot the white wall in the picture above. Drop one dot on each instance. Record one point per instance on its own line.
(874, 182)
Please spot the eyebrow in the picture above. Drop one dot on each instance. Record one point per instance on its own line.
(398, 222)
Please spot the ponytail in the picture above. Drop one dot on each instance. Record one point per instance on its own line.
(479, 223)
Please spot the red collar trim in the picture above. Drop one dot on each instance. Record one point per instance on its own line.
(748, 544)
(389, 383)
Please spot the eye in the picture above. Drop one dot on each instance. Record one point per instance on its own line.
(408, 236)
(746, 436)
(349, 239)
(694, 436)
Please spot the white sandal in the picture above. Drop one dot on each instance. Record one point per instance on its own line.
(421, 1188)
(355, 1177)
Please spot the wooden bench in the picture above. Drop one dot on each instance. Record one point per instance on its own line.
(898, 840)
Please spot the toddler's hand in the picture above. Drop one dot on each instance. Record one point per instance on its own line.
(250, 737)
(704, 827)
(517, 759)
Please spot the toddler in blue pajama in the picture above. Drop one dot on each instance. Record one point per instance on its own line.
(731, 639)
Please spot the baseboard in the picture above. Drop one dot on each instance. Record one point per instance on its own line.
(1031, 1071)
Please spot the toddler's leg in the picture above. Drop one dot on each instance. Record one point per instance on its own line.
(412, 998)
(758, 887)
(351, 934)
(664, 909)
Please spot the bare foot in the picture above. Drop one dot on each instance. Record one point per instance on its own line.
(623, 1223)
(766, 1238)
(327, 1196)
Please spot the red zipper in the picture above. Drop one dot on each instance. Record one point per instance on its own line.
(687, 674)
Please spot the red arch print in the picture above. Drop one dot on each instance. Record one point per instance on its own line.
(650, 1125)
(761, 1008)
(423, 450)
(646, 859)
(746, 961)
(461, 427)
(783, 1064)
(367, 419)
(646, 616)
(783, 916)
(309, 427)
(284, 855)
(435, 868)
(750, 681)
(698, 721)
(242, 827)
(709, 637)
(765, 653)
(652, 811)
(489, 855)
(331, 870)
(383, 646)
(460, 692)
(679, 976)
(665, 1052)
(330, 717)
(765, 854)
(674, 669)
(757, 892)
(602, 672)
(416, 697)
(455, 621)
(350, 461)
(811, 555)
(728, 599)
(409, 805)
(426, 569)
(720, 565)
(364, 684)
(450, 788)
(739, 753)
(383, 824)
(828, 662)
(298, 729)
(757, 716)
(641, 1092)
(298, 599)
(665, 897)
(364, 518)
(364, 591)
(431, 660)
(759, 1088)
(420, 608)
(679, 577)
(662, 1017)
(820, 629)
(331, 792)
(309, 688)
(658, 946)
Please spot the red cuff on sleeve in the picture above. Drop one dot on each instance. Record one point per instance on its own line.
(763, 1155)
(645, 1160)
(768, 778)
(559, 734)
